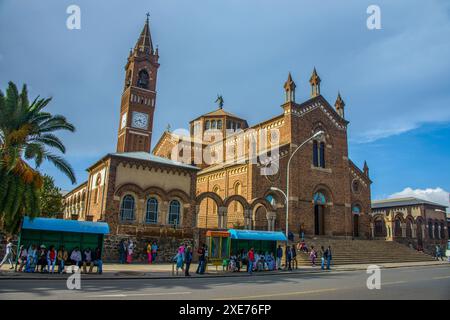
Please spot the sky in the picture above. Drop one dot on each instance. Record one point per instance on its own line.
(394, 80)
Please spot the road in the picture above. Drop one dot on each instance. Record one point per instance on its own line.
(432, 282)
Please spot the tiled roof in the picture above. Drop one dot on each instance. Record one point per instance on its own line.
(398, 202)
(150, 157)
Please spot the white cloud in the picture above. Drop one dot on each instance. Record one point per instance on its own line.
(437, 195)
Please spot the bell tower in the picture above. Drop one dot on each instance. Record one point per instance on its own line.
(139, 95)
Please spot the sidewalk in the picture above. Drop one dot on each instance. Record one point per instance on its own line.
(164, 271)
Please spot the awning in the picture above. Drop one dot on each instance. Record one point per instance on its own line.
(51, 224)
(257, 235)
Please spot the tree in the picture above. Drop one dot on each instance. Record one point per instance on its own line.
(26, 134)
(50, 198)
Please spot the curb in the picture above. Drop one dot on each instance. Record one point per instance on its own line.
(225, 275)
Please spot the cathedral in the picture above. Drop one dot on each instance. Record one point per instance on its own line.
(169, 194)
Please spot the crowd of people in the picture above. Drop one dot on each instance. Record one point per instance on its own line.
(127, 247)
(268, 261)
(39, 258)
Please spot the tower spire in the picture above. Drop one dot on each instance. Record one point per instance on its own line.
(289, 88)
(144, 43)
(315, 83)
(339, 105)
(366, 169)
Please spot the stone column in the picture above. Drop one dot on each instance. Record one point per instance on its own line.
(423, 232)
(439, 232)
(403, 226)
(222, 215)
(163, 212)
(271, 216)
(432, 230)
(413, 230)
(372, 230)
(248, 219)
(197, 211)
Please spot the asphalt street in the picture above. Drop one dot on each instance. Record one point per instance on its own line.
(431, 282)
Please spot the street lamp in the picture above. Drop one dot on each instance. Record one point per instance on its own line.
(286, 195)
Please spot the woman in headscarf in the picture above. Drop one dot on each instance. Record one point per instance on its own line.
(130, 251)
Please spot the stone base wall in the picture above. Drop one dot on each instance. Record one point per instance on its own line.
(429, 245)
(168, 241)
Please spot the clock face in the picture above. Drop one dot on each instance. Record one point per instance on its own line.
(140, 120)
(123, 121)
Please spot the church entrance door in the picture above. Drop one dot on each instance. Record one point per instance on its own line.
(319, 219)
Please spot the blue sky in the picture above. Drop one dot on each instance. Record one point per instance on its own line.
(395, 81)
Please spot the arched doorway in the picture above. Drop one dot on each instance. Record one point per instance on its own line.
(319, 213)
(419, 233)
(356, 210)
(260, 218)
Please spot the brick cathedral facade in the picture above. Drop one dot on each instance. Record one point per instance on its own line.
(155, 196)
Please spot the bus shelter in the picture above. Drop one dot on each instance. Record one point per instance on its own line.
(58, 232)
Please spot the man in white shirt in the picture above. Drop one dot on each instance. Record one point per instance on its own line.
(75, 257)
(8, 255)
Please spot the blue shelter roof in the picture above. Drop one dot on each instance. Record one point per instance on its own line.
(51, 224)
(257, 235)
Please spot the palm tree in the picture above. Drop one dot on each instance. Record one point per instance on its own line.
(26, 134)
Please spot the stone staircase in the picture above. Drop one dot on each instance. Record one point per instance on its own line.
(362, 252)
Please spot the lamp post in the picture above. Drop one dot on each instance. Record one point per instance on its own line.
(286, 195)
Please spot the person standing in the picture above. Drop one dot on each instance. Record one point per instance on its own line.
(179, 260)
(201, 260)
(288, 257)
(251, 260)
(122, 251)
(294, 257)
(313, 256)
(187, 260)
(130, 250)
(149, 253)
(438, 253)
(8, 254)
(329, 257)
(279, 256)
(322, 257)
(154, 251)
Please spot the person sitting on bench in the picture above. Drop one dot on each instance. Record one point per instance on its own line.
(87, 260)
(75, 257)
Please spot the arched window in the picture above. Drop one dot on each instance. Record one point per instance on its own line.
(143, 79)
(356, 209)
(379, 228)
(408, 228)
(127, 208)
(322, 155)
(213, 124)
(219, 124)
(430, 229)
(207, 125)
(319, 198)
(442, 231)
(398, 228)
(270, 199)
(315, 154)
(151, 215)
(436, 230)
(174, 212)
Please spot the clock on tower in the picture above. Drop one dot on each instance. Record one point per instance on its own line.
(139, 96)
